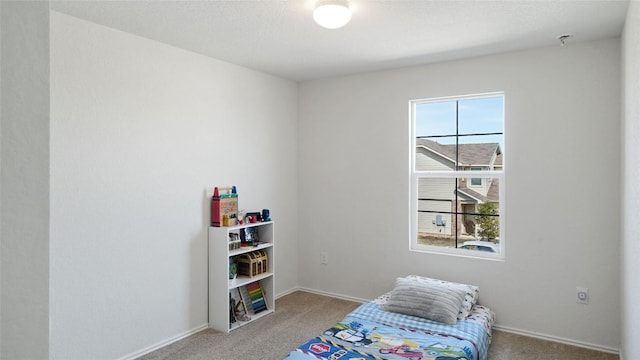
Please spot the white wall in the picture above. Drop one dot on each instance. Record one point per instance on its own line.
(630, 249)
(139, 132)
(25, 180)
(562, 136)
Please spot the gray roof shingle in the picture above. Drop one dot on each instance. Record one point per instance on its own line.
(469, 154)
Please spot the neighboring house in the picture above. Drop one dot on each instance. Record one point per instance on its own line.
(439, 194)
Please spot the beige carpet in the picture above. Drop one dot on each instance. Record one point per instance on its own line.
(300, 316)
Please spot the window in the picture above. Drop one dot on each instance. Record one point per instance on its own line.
(457, 175)
(476, 181)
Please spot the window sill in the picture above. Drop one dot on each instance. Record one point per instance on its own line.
(472, 254)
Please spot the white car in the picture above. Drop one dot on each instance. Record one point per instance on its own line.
(353, 336)
(480, 245)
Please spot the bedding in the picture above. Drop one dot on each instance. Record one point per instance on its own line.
(470, 298)
(370, 332)
(434, 301)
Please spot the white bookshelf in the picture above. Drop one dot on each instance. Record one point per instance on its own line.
(220, 286)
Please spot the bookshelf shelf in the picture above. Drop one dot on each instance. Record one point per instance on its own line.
(244, 280)
(249, 249)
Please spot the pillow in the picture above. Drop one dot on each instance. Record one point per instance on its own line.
(430, 300)
(470, 298)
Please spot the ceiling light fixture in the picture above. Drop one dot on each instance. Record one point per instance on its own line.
(332, 14)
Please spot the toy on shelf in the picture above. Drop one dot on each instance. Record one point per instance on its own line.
(241, 216)
(224, 207)
(249, 237)
(256, 296)
(266, 215)
(254, 217)
(233, 269)
(234, 241)
(252, 263)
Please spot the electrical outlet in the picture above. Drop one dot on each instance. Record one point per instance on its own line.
(582, 295)
(324, 258)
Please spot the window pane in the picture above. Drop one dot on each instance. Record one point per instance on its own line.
(436, 149)
(481, 115)
(433, 234)
(450, 214)
(436, 207)
(433, 156)
(480, 228)
(436, 119)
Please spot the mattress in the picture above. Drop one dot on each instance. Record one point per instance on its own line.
(369, 332)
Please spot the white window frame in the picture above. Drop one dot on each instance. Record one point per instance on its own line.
(416, 175)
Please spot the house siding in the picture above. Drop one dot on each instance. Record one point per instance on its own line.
(427, 221)
(436, 188)
(428, 161)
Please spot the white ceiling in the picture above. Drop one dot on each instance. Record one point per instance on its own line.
(280, 37)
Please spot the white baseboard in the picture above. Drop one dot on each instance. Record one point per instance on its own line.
(286, 292)
(558, 339)
(178, 337)
(324, 293)
(164, 343)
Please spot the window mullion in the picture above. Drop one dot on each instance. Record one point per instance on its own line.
(457, 168)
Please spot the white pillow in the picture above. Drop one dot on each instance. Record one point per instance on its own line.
(470, 298)
(430, 300)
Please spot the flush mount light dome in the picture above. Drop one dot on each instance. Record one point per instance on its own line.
(332, 14)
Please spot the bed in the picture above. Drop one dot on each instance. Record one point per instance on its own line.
(421, 319)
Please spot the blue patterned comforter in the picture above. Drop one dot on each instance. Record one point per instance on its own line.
(369, 332)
